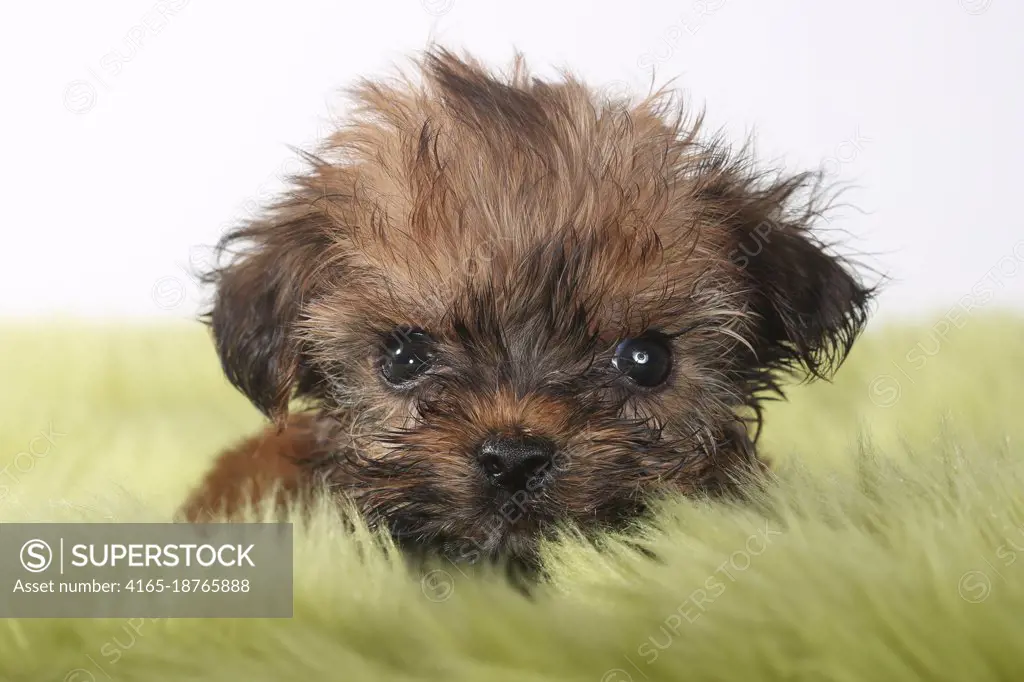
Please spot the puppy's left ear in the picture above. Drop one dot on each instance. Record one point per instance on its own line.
(809, 304)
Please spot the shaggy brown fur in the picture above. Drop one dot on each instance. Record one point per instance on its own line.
(528, 227)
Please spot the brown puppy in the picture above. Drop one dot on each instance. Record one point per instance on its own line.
(513, 303)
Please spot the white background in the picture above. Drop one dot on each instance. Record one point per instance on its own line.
(134, 131)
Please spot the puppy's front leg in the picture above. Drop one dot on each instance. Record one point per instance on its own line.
(268, 465)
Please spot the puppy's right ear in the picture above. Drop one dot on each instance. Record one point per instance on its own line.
(259, 297)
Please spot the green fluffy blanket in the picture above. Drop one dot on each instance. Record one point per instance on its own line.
(891, 546)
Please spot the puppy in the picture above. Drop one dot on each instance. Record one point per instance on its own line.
(510, 303)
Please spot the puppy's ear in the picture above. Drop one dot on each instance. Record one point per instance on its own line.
(808, 303)
(259, 297)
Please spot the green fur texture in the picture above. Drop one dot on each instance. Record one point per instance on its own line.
(890, 547)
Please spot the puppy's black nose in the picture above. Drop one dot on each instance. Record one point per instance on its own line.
(517, 462)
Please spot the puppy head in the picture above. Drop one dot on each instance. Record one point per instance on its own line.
(524, 304)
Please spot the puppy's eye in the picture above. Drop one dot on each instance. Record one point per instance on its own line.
(407, 354)
(646, 360)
